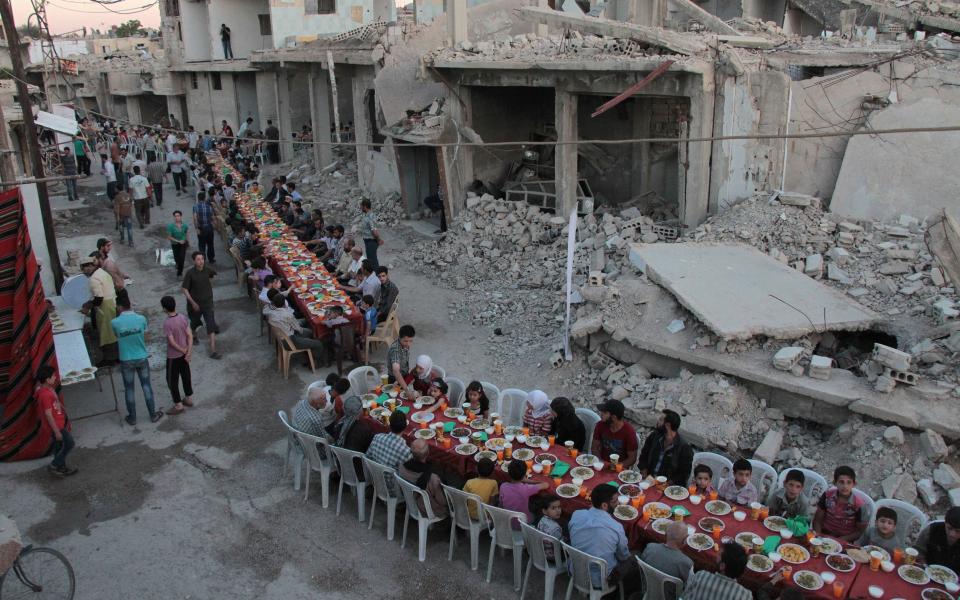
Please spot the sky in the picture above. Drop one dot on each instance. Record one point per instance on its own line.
(66, 15)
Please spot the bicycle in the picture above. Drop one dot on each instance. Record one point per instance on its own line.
(38, 574)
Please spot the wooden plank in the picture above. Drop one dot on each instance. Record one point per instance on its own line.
(681, 43)
(633, 89)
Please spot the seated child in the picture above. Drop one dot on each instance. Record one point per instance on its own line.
(482, 485)
(789, 501)
(516, 494)
(369, 313)
(739, 490)
(703, 478)
(840, 512)
(548, 521)
(438, 391)
(883, 533)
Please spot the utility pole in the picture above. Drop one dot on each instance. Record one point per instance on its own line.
(33, 142)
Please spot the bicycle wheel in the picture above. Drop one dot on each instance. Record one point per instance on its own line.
(39, 574)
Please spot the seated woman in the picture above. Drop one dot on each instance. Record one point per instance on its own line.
(422, 375)
(567, 426)
(477, 399)
(537, 415)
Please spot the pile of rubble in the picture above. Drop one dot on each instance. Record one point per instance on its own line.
(573, 45)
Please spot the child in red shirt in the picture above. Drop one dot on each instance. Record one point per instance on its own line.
(52, 410)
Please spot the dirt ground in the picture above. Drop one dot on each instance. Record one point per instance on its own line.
(197, 505)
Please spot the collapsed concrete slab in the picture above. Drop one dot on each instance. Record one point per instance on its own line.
(739, 292)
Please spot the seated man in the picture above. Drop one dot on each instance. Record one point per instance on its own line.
(596, 532)
(314, 414)
(613, 435)
(665, 453)
(390, 449)
(739, 489)
(939, 543)
(669, 558)
(388, 294)
(419, 471)
(350, 276)
(272, 282)
(368, 284)
(723, 585)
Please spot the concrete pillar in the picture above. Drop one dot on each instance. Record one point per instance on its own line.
(651, 13)
(133, 109)
(695, 200)
(459, 172)
(175, 108)
(456, 20)
(565, 173)
(640, 174)
(362, 126)
(319, 85)
(542, 30)
(282, 89)
(266, 98)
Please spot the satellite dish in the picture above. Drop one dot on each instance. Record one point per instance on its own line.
(75, 291)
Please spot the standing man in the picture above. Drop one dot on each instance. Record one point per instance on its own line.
(130, 329)
(116, 159)
(398, 355)
(80, 150)
(178, 167)
(273, 147)
(193, 143)
(157, 175)
(198, 290)
(69, 169)
(103, 304)
(140, 190)
(369, 232)
(203, 224)
(225, 41)
(174, 123)
(179, 350)
(177, 234)
(109, 173)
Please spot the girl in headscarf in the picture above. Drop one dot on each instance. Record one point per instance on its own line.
(355, 434)
(421, 376)
(537, 415)
(567, 426)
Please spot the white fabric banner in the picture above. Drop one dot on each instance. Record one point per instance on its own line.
(571, 251)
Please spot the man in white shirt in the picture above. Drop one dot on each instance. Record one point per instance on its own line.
(178, 168)
(110, 173)
(139, 187)
(170, 142)
(245, 127)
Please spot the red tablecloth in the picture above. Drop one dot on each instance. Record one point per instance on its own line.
(893, 586)
(316, 321)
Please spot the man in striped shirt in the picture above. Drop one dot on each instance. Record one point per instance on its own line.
(722, 585)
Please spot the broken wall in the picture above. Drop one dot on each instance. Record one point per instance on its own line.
(288, 19)
(242, 17)
(207, 106)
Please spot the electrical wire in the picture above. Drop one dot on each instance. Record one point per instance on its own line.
(130, 11)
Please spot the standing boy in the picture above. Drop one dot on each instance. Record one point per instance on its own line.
(53, 413)
(179, 350)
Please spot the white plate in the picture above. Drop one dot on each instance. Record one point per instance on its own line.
(425, 434)
(630, 477)
(923, 578)
(567, 490)
(759, 563)
(422, 417)
(700, 542)
(676, 492)
(466, 449)
(522, 454)
(941, 574)
(717, 508)
(625, 512)
(663, 509)
(582, 473)
(815, 583)
(485, 454)
(586, 460)
(453, 412)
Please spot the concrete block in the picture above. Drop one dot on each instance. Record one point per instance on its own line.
(928, 492)
(954, 496)
(820, 367)
(891, 357)
(893, 435)
(894, 267)
(596, 278)
(884, 384)
(838, 255)
(585, 326)
(946, 476)
(769, 448)
(901, 376)
(835, 273)
(813, 266)
(933, 445)
(786, 358)
(792, 199)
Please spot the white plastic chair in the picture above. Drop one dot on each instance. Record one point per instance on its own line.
(720, 465)
(512, 404)
(502, 535)
(814, 485)
(537, 543)
(377, 474)
(347, 465)
(455, 391)
(581, 567)
(425, 517)
(493, 395)
(764, 478)
(439, 372)
(293, 449)
(363, 379)
(910, 519)
(868, 504)
(320, 459)
(589, 418)
(459, 503)
(658, 584)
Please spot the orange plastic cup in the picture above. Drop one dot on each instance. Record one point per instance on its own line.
(470, 415)
(646, 517)
(498, 428)
(552, 439)
(547, 468)
(500, 455)
(583, 491)
(897, 555)
(875, 562)
(423, 425)
(507, 452)
(838, 589)
(716, 532)
(692, 489)
(573, 452)
(529, 465)
(443, 406)
(526, 431)
(764, 513)
(557, 481)
(373, 404)
(787, 572)
(713, 495)
(636, 502)
(642, 498)
(447, 442)
(618, 467)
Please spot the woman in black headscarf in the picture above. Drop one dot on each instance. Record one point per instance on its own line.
(567, 426)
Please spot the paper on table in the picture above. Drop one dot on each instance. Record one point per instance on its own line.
(449, 426)
(560, 469)
(771, 544)
(403, 409)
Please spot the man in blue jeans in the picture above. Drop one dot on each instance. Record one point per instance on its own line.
(370, 232)
(130, 328)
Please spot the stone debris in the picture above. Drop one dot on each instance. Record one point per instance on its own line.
(893, 435)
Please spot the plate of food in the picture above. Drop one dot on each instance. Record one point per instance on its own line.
(708, 523)
(568, 490)
(513, 430)
(676, 492)
(535, 441)
(830, 546)
(466, 449)
(523, 454)
(426, 400)
(485, 454)
(625, 512)
(775, 523)
(545, 456)
(913, 574)
(582, 472)
(425, 434)
(496, 444)
(859, 555)
(629, 489)
(717, 507)
(657, 510)
(479, 423)
(380, 412)
(745, 539)
(453, 412)
(808, 580)
(935, 594)
(793, 554)
(841, 563)
(941, 574)
(758, 563)
(422, 417)
(369, 397)
(630, 476)
(700, 541)
(459, 432)
(586, 460)
(660, 525)
(884, 554)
